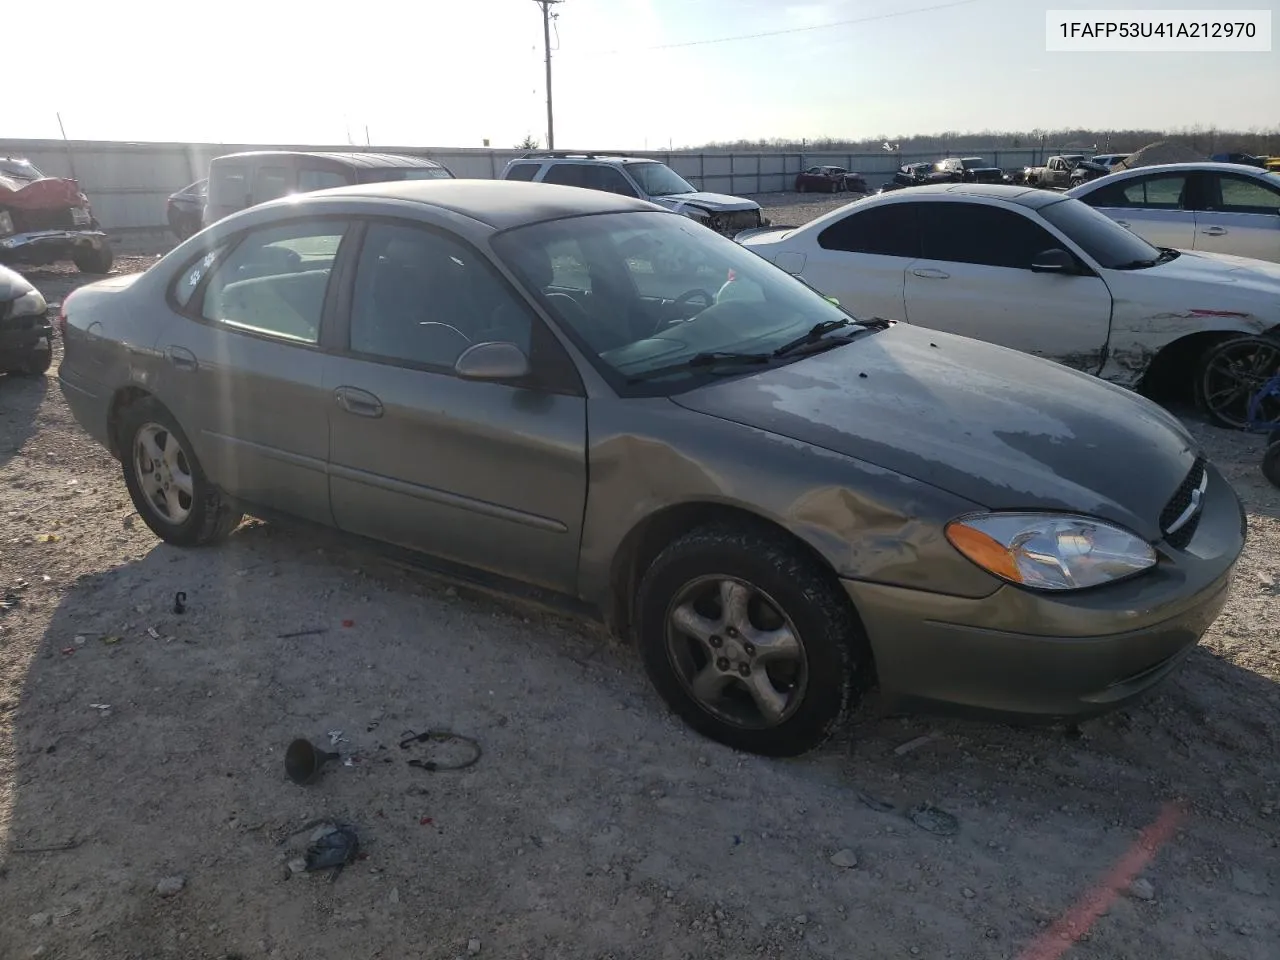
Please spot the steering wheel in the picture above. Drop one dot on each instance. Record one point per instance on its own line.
(697, 293)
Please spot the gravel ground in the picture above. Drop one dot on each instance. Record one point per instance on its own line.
(144, 810)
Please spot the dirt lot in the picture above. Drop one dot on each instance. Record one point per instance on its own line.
(138, 745)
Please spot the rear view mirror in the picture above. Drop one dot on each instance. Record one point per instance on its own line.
(1055, 260)
(492, 361)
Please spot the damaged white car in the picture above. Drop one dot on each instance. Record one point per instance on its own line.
(1048, 275)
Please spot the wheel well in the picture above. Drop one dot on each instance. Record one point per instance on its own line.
(652, 535)
(124, 397)
(1170, 375)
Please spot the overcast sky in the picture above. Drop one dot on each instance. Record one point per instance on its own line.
(453, 72)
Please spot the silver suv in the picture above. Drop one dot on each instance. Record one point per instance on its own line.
(639, 177)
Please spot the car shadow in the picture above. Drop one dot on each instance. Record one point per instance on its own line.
(146, 743)
(20, 402)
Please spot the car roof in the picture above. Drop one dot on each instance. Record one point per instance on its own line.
(365, 160)
(1206, 165)
(1032, 197)
(501, 204)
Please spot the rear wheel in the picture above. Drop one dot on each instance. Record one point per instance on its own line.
(1271, 463)
(93, 259)
(749, 640)
(166, 483)
(1231, 373)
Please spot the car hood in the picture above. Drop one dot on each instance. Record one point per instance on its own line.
(13, 285)
(718, 202)
(1211, 278)
(997, 427)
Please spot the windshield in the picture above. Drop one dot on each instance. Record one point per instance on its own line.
(390, 174)
(1108, 243)
(659, 180)
(19, 169)
(644, 293)
(971, 163)
(1271, 177)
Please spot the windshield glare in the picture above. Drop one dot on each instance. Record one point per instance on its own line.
(641, 292)
(1108, 243)
(19, 169)
(659, 180)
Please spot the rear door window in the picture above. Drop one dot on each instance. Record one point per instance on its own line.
(1160, 192)
(275, 280)
(889, 230)
(568, 174)
(522, 171)
(321, 179)
(269, 182)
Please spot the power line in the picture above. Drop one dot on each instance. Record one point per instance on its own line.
(778, 33)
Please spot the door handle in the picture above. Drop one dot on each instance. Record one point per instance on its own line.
(1214, 231)
(360, 402)
(182, 358)
(929, 273)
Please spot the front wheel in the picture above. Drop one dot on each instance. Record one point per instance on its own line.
(166, 483)
(749, 640)
(1231, 374)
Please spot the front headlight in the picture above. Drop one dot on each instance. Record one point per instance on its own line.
(1050, 551)
(29, 305)
(6, 223)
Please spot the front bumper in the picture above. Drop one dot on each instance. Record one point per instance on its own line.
(20, 335)
(1035, 655)
(47, 246)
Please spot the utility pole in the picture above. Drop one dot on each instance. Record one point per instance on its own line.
(546, 6)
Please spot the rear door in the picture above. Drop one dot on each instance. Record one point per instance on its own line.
(244, 368)
(1156, 207)
(1238, 215)
(862, 259)
(484, 473)
(974, 278)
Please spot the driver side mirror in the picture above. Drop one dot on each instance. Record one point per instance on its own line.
(492, 361)
(1055, 260)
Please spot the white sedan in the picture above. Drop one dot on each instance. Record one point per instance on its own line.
(1039, 272)
(1210, 207)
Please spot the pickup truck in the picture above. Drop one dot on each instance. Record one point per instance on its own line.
(1055, 173)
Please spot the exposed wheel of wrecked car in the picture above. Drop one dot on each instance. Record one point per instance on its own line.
(165, 480)
(749, 641)
(93, 259)
(1231, 373)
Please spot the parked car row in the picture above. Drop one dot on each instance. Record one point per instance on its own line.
(783, 502)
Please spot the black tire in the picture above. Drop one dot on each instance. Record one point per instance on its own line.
(93, 259)
(37, 364)
(1254, 360)
(1271, 463)
(210, 517)
(834, 658)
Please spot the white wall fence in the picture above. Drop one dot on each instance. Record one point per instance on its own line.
(127, 183)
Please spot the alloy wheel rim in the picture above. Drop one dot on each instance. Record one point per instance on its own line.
(1235, 376)
(164, 473)
(736, 652)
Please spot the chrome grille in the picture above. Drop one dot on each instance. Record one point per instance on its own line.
(1181, 514)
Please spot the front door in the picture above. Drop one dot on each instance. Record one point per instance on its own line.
(1239, 215)
(488, 474)
(974, 278)
(243, 371)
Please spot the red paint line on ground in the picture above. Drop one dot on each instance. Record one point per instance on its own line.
(1057, 939)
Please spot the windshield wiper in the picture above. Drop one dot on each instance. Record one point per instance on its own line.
(820, 330)
(707, 358)
(1166, 254)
